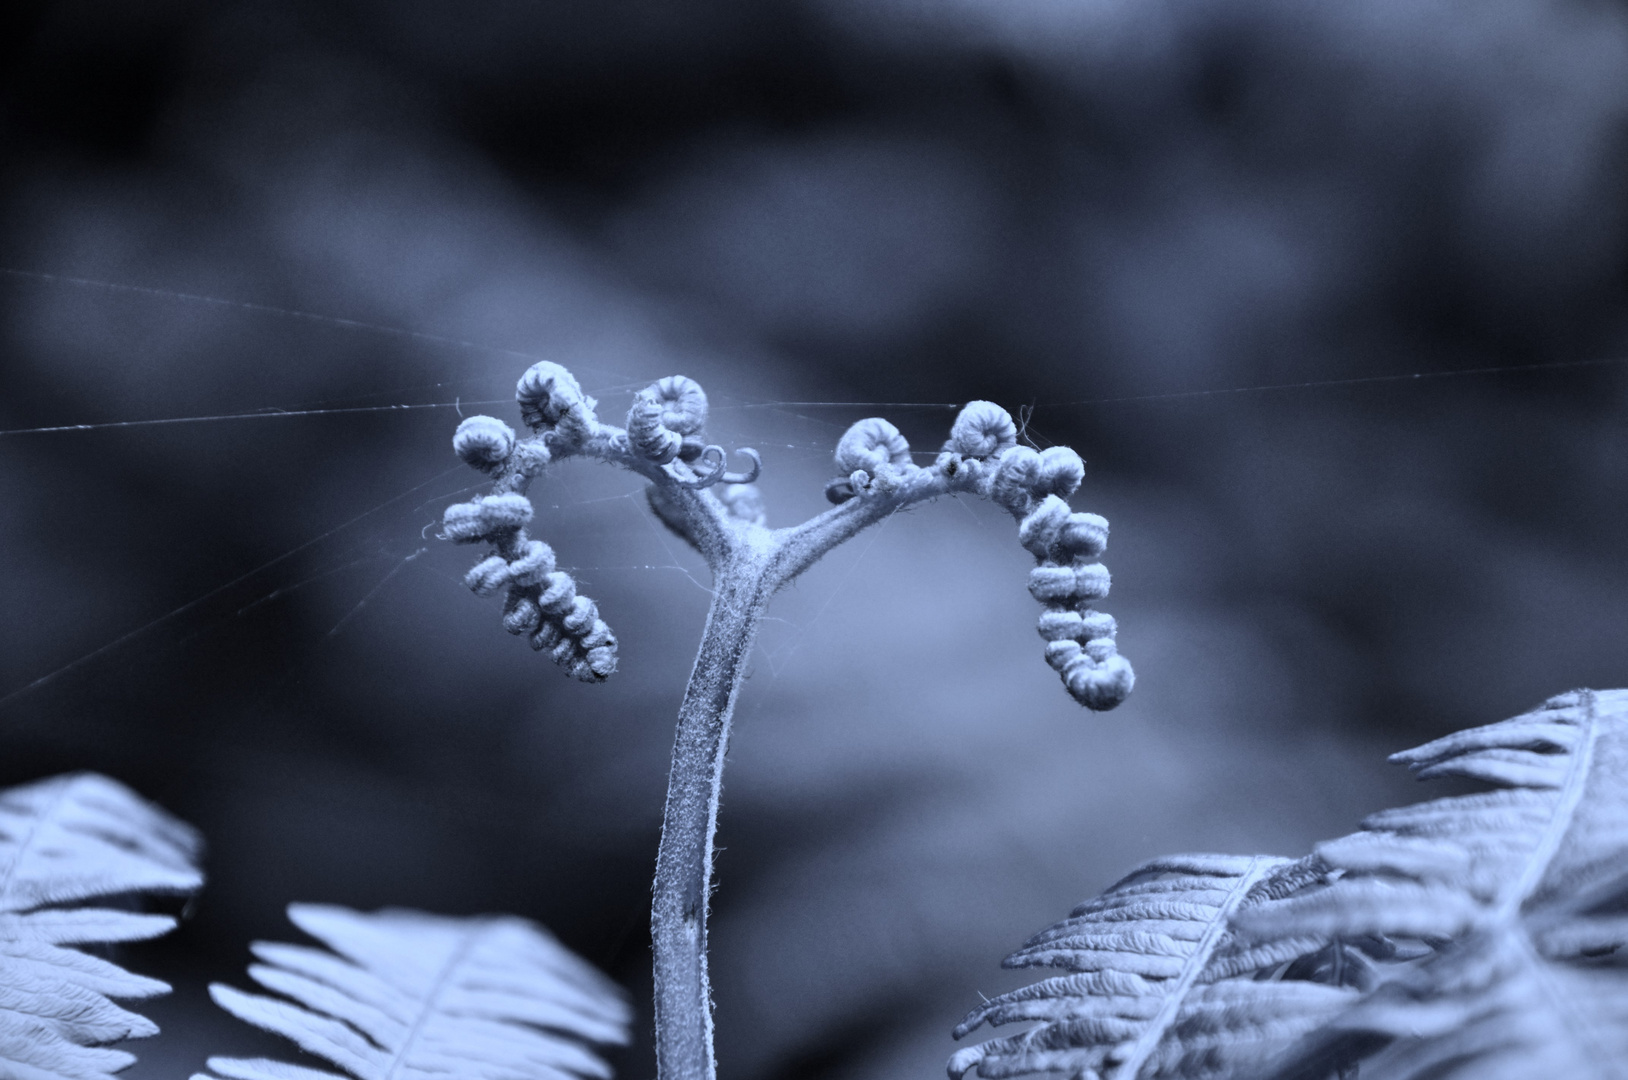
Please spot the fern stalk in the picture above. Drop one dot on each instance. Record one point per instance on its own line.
(750, 564)
(678, 912)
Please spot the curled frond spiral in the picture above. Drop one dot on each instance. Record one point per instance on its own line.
(541, 600)
(871, 444)
(485, 517)
(661, 443)
(982, 457)
(982, 430)
(1017, 477)
(1080, 643)
(868, 452)
(1034, 485)
(483, 442)
(663, 414)
(552, 403)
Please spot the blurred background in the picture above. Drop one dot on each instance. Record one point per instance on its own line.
(1330, 297)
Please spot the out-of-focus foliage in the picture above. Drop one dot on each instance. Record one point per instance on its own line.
(65, 842)
(796, 202)
(405, 994)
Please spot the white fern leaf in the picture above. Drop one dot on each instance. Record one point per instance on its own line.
(408, 996)
(1521, 890)
(1152, 994)
(65, 841)
(84, 836)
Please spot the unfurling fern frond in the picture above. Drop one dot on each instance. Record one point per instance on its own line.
(1155, 990)
(1522, 891)
(409, 996)
(65, 841)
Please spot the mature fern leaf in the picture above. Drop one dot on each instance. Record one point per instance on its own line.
(409, 996)
(64, 841)
(1155, 991)
(1522, 891)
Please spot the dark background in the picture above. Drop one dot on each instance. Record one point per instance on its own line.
(1125, 217)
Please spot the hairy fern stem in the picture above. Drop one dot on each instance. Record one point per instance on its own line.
(750, 564)
(678, 913)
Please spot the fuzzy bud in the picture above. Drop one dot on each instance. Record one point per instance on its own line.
(601, 662)
(1050, 584)
(1100, 687)
(646, 434)
(662, 414)
(1091, 582)
(1038, 530)
(982, 430)
(483, 442)
(1015, 478)
(521, 616)
(534, 564)
(559, 592)
(487, 576)
(485, 517)
(1100, 649)
(1083, 536)
(869, 445)
(549, 397)
(1060, 654)
(1060, 472)
(1061, 625)
(581, 618)
(1097, 624)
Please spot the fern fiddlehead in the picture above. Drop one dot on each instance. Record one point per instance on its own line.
(722, 515)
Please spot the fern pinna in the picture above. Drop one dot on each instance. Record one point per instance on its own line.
(1153, 990)
(65, 842)
(409, 996)
(1522, 891)
(1474, 937)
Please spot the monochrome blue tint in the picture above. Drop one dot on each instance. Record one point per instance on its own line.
(1329, 298)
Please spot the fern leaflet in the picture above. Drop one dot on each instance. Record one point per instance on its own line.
(1520, 892)
(409, 996)
(1154, 991)
(64, 841)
